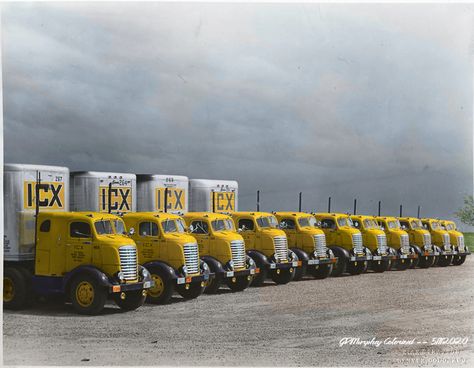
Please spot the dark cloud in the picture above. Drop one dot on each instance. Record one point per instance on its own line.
(367, 101)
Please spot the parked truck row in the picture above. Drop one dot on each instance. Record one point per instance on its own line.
(92, 236)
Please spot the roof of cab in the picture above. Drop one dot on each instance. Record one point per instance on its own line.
(150, 215)
(407, 218)
(387, 218)
(292, 214)
(251, 213)
(332, 214)
(211, 215)
(80, 215)
(363, 217)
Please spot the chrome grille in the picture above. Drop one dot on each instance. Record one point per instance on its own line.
(426, 240)
(281, 248)
(404, 244)
(357, 243)
(320, 245)
(447, 245)
(461, 242)
(237, 248)
(191, 257)
(382, 243)
(128, 262)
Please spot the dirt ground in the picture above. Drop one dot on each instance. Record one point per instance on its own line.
(300, 324)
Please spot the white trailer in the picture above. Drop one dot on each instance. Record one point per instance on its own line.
(213, 195)
(162, 193)
(103, 192)
(20, 190)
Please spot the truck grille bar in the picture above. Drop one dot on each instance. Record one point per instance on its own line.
(357, 243)
(191, 257)
(128, 262)
(461, 243)
(382, 244)
(447, 245)
(281, 248)
(405, 244)
(237, 248)
(320, 245)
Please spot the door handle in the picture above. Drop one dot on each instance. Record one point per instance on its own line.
(86, 242)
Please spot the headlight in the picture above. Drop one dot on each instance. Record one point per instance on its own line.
(120, 276)
(315, 254)
(250, 261)
(368, 252)
(291, 255)
(204, 266)
(230, 264)
(145, 273)
(185, 270)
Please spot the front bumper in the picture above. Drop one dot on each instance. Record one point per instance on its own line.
(240, 273)
(318, 262)
(386, 257)
(118, 288)
(407, 256)
(195, 279)
(359, 258)
(283, 266)
(466, 252)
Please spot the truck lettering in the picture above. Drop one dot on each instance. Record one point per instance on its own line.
(120, 199)
(224, 201)
(51, 197)
(176, 199)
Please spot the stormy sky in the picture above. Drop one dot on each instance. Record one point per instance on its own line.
(368, 101)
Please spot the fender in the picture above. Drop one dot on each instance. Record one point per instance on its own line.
(140, 273)
(258, 257)
(339, 251)
(169, 271)
(417, 249)
(301, 254)
(89, 270)
(214, 264)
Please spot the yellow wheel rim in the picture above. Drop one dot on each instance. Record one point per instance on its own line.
(158, 288)
(85, 294)
(8, 289)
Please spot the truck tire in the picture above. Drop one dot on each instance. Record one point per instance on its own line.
(214, 284)
(393, 263)
(380, 266)
(302, 270)
(241, 283)
(259, 278)
(86, 295)
(458, 260)
(356, 269)
(133, 300)
(414, 262)
(163, 287)
(282, 277)
(322, 272)
(30, 295)
(192, 292)
(15, 288)
(341, 265)
(444, 261)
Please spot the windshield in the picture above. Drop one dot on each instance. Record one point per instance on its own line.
(229, 224)
(181, 226)
(393, 224)
(268, 221)
(345, 221)
(306, 221)
(435, 226)
(218, 225)
(103, 227)
(119, 226)
(416, 225)
(169, 226)
(370, 224)
(450, 227)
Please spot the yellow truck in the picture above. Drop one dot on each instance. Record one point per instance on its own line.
(222, 249)
(398, 242)
(51, 251)
(345, 241)
(267, 246)
(441, 241)
(420, 240)
(308, 243)
(374, 239)
(169, 254)
(457, 241)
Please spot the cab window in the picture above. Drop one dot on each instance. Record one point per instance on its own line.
(288, 224)
(45, 226)
(119, 227)
(356, 224)
(246, 224)
(199, 227)
(148, 228)
(229, 224)
(382, 225)
(404, 224)
(80, 230)
(169, 226)
(306, 221)
(103, 227)
(328, 224)
(218, 225)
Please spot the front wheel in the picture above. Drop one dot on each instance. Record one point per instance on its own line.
(356, 268)
(425, 261)
(321, 271)
(162, 290)
(341, 264)
(380, 266)
(259, 278)
(459, 260)
(444, 261)
(87, 296)
(190, 291)
(238, 283)
(133, 300)
(282, 276)
(214, 284)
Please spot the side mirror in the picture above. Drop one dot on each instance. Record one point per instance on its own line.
(131, 231)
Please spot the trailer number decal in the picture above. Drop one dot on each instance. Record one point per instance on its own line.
(224, 201)
(120, 199)
(51, 197)
(176, 199)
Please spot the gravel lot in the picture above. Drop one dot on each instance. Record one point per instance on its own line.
(297, 324)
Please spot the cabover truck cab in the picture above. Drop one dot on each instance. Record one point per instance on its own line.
(223, 249)
(376, 240)
(49, 250)
(169, 254)
(441, 241)
(308, 243)
(420, 240)
(345, 241)
(457, 242)
(267, 246)
(398, 242)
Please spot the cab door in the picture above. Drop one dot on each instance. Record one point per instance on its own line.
(289, 227)
(328, 225)
(246, 228)
(148, 242)
(79, 244)
(200, 230)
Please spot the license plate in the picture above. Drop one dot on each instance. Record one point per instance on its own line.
(188, 280)
(454, 252)
(230, 274)
(252, 271)
(436, 253)
(313, 261)
(147, 284)
(369, 258)
(272, 265)
(206, 276)
(295, 264)
(180, 280)
(403, 256)
(376, 258)
(353, 258)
